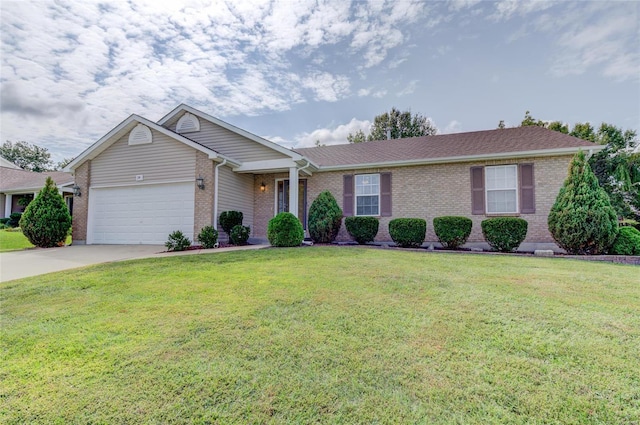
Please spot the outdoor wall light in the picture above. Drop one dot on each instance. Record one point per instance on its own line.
(76, 190)
(200, 182)
(263, 187)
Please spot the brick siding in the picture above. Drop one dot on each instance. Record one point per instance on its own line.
(203, 208)
(428, 191)
(82, 179)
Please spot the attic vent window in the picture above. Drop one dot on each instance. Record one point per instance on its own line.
(140, 135)
(188, 123)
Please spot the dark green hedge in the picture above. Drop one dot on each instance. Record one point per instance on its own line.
(325, 218)
(239, 234)
(229, 219)
(627, 242)
(504, 233)
(408, 232)
(452, 231)
(362, 229)
(285, 230)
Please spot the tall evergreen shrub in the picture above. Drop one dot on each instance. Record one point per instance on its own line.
(582, 220)
(325, 218)
(46, 220)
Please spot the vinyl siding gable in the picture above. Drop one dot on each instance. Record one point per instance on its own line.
(236, 194)
(163, 160)
(228, 143)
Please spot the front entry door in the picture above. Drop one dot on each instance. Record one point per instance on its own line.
(283, 199)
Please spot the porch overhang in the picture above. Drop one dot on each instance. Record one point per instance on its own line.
(277, 166)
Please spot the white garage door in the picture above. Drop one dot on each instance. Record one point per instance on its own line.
(140, 214)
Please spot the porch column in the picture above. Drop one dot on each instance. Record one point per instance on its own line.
(8, 200)
(293, 191)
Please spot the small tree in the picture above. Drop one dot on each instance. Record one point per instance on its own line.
(325, 218)
(582, 220)
(46, 221)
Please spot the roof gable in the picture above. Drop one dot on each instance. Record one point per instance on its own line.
(126, 126)
(170, 120)
(500, 143)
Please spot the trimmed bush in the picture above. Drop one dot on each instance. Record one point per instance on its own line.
(46, 220)
(504, 233)
(208, 237)
(285, 230)
(229, 219)
(362, 229)
(177, 241)
(239, 234)
(452, 231)
(627, 242)
(582, 220)
(325, 218)
(408, 232)
(14, 219)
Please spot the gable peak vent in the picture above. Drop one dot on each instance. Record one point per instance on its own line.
(140, 135)
(188, 123)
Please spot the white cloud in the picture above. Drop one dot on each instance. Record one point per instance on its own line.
(326, 86)
(454, 126)
(329, 136)
(408, 89)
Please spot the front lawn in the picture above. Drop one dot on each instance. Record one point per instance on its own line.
(324, 335)
(16, 241)
(13, 241)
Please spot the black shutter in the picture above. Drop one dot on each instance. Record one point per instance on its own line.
(347, 195)
(385, 194)
(477, 190)
(527, 189)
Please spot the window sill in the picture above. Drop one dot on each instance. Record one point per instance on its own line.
(503, 214)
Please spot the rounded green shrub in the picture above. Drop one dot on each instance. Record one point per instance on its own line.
(285, 230)
(582, 220)
(408, 232)
(229, 219)
(325, 218)
(208, 237)
(239, 234)
(46, 220)
(177, 241)
(362, 229)
(452, 231)
(14, 219)
(627, 242)
(504, 233)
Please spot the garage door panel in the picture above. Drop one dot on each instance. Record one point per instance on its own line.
(140, 214)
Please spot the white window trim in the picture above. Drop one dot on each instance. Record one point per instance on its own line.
(515, 188)
(355, 195)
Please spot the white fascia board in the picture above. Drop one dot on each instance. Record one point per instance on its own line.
(467, 158)
(266, 166)
(296, 156)
(108, 139)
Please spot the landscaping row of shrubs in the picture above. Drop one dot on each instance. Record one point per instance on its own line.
(231, 223)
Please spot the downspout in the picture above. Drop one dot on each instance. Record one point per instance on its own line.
(302, 168)
(215, 193)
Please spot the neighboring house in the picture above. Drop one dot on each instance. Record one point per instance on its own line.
(17, 184)
(143, 179)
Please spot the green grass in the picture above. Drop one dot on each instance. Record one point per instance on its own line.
(13, 241)
(324, 335)
(16, 241)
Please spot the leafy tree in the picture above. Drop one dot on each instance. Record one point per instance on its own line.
(27, 156)
(46, 221)
(582, 220)
(401, 124)
(616, 167)
(61, 164)
(357, 137)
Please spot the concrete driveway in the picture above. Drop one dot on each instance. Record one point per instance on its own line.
(36, 261)
(32, 262)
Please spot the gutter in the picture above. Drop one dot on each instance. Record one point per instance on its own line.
(456, 159)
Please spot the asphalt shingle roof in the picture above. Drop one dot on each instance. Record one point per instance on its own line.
(11, 179)
(490, 142)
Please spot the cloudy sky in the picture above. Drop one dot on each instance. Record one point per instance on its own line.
(300, 71)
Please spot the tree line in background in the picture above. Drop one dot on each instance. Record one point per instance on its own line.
(30, 157)
(617, 166)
